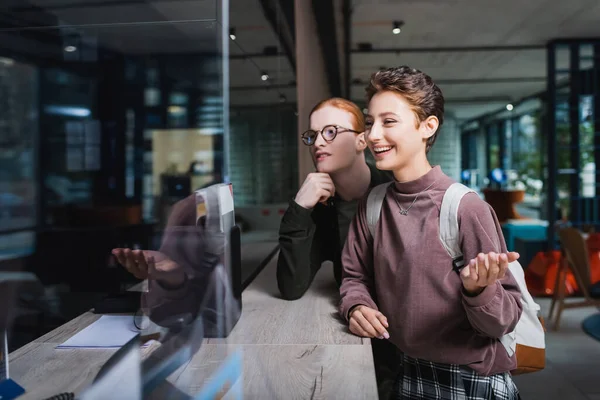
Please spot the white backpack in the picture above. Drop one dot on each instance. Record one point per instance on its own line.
(527, 340)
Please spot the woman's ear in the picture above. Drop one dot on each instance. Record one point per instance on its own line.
(430, 126)
(361, 142)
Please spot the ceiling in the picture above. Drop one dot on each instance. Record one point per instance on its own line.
(140, 27)
(474, 77)
(484, 54)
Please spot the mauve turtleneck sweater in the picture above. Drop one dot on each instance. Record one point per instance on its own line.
(407, 274)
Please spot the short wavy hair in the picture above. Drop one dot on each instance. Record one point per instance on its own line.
(424, 96)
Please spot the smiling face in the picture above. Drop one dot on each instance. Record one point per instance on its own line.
(340, 153)
(395, 136)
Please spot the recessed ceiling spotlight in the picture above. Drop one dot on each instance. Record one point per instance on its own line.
(232, 33)
(509, 107)
(70, 49)
(397, 27)
(264, 76)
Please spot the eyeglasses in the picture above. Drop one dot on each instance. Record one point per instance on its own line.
(328, 133)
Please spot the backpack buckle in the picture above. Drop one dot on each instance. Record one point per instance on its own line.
(458, 263)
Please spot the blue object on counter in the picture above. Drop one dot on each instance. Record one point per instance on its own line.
(10, 389)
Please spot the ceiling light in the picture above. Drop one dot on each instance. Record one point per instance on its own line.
(70, 49)
(264, 76)
(509, 107)
(397, 27)
(232, 33)
(282, 98)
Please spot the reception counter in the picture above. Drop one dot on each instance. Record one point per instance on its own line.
(290, 350)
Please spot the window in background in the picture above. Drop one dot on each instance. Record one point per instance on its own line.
(18, 157)
(586, 132)
(264, 155)
(528, 154)
(493, 139)
(70, 140)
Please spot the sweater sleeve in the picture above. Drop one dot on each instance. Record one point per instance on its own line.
(299, 244)
(497, 309)
(357, 265)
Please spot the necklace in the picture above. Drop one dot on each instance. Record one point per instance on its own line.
(405, 212)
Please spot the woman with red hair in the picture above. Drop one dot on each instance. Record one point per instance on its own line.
(315, 225)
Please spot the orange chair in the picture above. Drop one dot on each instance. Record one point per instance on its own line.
(576, 258)
(541, 274)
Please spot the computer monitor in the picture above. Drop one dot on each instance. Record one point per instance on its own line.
(216, 213)
(218, 309)
(120, 377)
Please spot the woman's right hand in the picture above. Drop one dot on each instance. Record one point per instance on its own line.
(367, 322)
(317, 188)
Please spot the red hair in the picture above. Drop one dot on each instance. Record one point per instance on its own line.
(344, 105)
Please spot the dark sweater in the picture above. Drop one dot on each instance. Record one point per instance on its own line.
(307, 238)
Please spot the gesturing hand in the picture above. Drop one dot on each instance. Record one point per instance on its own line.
(317, 187)
(367, 322)
(484, 270)
(148, 264)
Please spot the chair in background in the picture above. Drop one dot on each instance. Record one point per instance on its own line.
(576, 258)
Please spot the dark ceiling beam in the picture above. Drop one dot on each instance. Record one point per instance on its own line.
(465, 49)
(255, 55)
(261, 87)
(466, 101)
(272, 12)
(69, 5)
(475, 81)
(423, 50)
(265, 106)
(287, 8)
(324, 13)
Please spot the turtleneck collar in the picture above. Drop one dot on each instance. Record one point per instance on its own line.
(420, 184)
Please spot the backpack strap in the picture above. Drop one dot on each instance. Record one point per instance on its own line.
(449, 232)
(374, 203)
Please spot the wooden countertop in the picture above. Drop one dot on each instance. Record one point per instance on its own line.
(291, 349)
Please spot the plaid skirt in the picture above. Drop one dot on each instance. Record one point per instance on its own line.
(419, 379)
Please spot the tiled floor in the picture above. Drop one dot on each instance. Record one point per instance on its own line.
(572, 361)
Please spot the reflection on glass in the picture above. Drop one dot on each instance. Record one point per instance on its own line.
(18, 157)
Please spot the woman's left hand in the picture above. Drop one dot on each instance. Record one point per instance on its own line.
(485, 270)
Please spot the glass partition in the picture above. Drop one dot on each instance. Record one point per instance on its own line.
(114, 114)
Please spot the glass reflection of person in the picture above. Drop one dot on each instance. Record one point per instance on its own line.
(177, 273)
